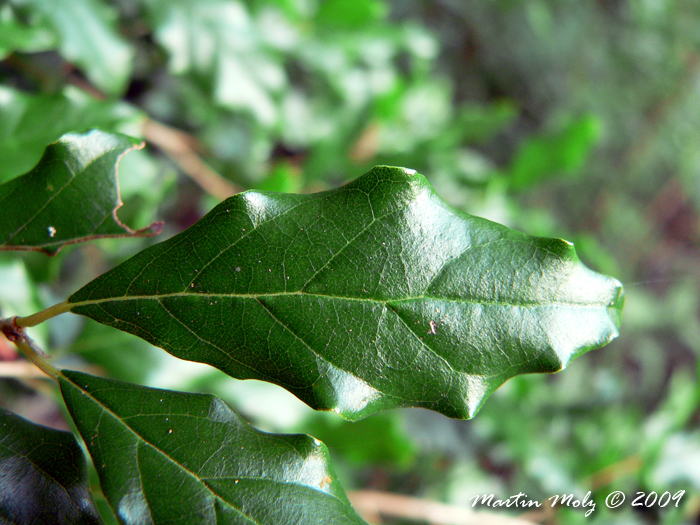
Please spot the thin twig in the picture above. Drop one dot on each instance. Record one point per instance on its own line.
(372, 504)
(176, 145)
(620, 469)
(26, 344)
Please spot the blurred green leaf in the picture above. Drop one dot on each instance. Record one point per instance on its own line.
(71, 196)
(562, 154)
(172, 457)
(135, 361)
(17, 36)
(90, 38)
(677, 464)
(29, 122)
(19, 295)
(218, 41)
(43, 476)
(372, 296)
(379, 440)
(481, 122)
(336, 15)
(284, 178)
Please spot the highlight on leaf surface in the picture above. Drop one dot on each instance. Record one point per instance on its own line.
(71, 196)
(371, 296)
(151, 447)
(43, 476)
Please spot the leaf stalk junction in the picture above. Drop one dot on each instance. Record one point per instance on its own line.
(15, 333)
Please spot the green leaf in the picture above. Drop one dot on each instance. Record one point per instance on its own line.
(171, 457)
(16, 36)
(71, 196)
(334, 15)
(380, 440)
(543, 158)
(90, 38)
(219, 42)
(29, 122)
(283, 178)
(372, 296)
(43, 476)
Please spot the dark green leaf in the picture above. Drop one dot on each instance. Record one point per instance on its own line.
(371, 296)
(71, 196)
(43, 476)
(29, 122)
(90, 38)
(171, 457)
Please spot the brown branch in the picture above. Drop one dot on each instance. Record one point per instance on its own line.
(371, 505)
(620, 469)
(178, 146)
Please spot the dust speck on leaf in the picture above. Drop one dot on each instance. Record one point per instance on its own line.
(52, 231)
(433, 328)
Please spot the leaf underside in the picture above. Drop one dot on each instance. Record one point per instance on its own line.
(71, 196)
(177, 458)
(43, 476)
(371, 296)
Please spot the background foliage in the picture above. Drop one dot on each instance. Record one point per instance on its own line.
(558, 118)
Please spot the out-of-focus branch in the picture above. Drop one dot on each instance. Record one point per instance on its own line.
(21, 370)
(605, 476)
(177, 145)
(373, 504)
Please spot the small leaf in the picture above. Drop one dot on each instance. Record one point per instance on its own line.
(43, 476)
(372, 296)
(29, 122)
(171, 457)
(71, 196)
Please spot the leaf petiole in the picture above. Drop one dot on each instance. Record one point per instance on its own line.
(40, 317)
(26, 344)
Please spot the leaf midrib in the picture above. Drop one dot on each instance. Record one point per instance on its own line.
(157, 297)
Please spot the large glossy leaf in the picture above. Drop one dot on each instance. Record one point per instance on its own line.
(71, 196)
(43, 476)
(29, 122)
(177, 458)
(371, 296)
